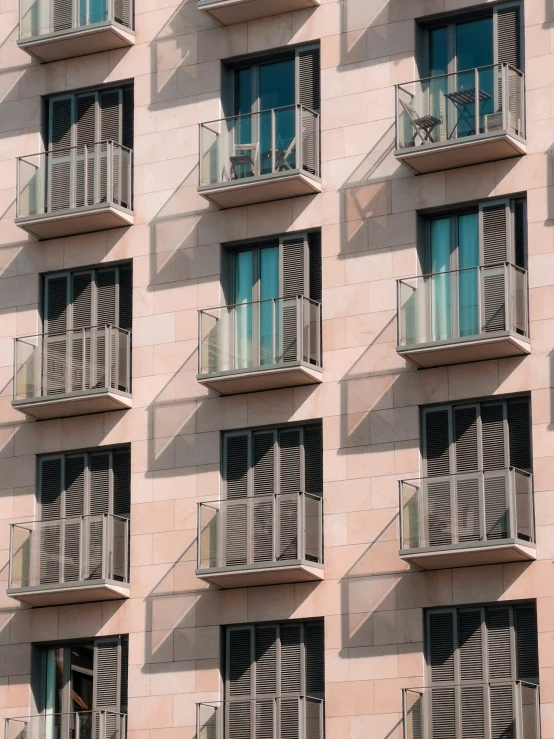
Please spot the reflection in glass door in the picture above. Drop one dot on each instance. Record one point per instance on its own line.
(69, 689)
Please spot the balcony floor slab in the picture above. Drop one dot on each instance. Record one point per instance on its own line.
(78, 221)
(52, 406)
(278, 574)
(439, 559)
(53, 47)
(459, 352)
(67, 594)
(262, 379)
(228, 12)
(263, 189)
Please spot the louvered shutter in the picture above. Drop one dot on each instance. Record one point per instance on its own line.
(312, 322)
(507, 22)
(75, 480)
(81, 283)
(520, 233)
(85, 134)
(62, 15)
(121, 462)
(263, 459)
(441, 649)
(239, 683)
(437, 463)
(519, 430)
(294, 281)
(313, 484)
(126, 297)
(266, 660)
(55, 340)
(315, 271)
(106, 313)
(236, 464)
(110, 156)
(309, 97)
(99, 504)
(467, 461)
(290, 484)
(527, 643)
(51, 488)
(315, 658)
(498, 625)
(290, 679)
(122, 12)
(494, 220)
(494, 462)
(59, 174)
(107, 686)
(470, 650)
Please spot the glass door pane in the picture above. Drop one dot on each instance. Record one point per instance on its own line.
(276, 84)
(438, 85)
(54, 684)
(474, 49)
(468, 262)
(269, 309)
(243, 128)
(440, 279)
(82, 686)
(242, 311)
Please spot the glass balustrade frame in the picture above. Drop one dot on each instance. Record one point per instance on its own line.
(102, 724)
(36, 22)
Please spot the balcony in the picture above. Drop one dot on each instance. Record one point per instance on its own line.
(69, 560)
(239, 11)
(81, 725)
(262, 718)
(463, 316)
(75, 190)
(438, 125)
(264, 345)
(263, 540)
(471, 518)
(495, 709)
(87, 370)
(258, 157)
(51, 30)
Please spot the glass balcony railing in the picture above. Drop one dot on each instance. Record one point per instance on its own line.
(68, 553)
(466, 305)
(76, 725)
(82, 361)
(73, 180)
(269, 531)
(263, 718)
(39, 18)
(466, 511)
(501, 708)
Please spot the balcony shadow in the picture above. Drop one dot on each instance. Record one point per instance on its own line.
(360, 31)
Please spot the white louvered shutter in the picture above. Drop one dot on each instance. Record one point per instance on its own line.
(236, 465)
(51, 489)
(107, 686)
(74, 486)
(294, 282)
(467, 461)
(55, 362)
(437, 464)
(441, 649)
(80, 337)
(309, 96)
(263, 460)
(493, 426)
(106, 313)
(59, 174)
(290, 484)
(99, 504)
(495, 251)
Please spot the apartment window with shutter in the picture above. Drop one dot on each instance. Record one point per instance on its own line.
(277, 669)
(84, 678)
(84, 506)
(475, 655)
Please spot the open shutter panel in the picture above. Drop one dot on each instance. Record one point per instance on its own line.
(519, 430)
(99, 505)
(441, 647)
(309, 97)
(289, 486)
(106, 314)
(495, 252)
(236, 489)
(122, 12)
(59, 174)
(472, 698)
(75, 477)
(55, 342)
(81, 340)
(263, 453)
(294, 283)
(85, 134)
(107, 687)
(51, 487)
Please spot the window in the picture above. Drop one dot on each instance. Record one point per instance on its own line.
(474, 656)
(76, 491)
(274, 661)
(83, 678)
(465, 254)
(77, 307)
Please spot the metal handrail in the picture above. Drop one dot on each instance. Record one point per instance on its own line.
(462, 269)
(50, 152)
(260, 112)
(459, 72)
(256, 302)
(74, 330)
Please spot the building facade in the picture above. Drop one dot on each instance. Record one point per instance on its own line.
(276, 335)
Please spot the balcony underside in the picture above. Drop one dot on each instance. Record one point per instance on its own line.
(239, 11)
(461, 152)
(62, 406)
(262, 189)
(78, 42)
(461, 351)
(78, 221)
(507, 550)
(271, 574)
(69, 593)
(251, 381)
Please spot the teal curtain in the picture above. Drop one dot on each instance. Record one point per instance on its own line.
(92, 11)
(269, 311)
(441, 319)
(468, 285)
(277, 89)
(243, 309)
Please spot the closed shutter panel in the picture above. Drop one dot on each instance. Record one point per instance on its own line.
(55, 349)
(494, 238)
(99, 505)
(315, 659)
(493, 439)
(508, 51)
(316, 282)
(106, 313)
(239, 682)
(85, 133)
(437, 460)
(494, 462)
(75, 471)
(126, 199)
(121, 508)
(472, 697)
(294, 283)
(519, 430)
(263, 452)
(266, 660)
(527, 643)
(467, 460)
(126, 297)
(62, 15)
(122, 12)
(236, 463)
(520, 232)
(312, 352)
(110, 131)
(309, 96)
(123, 340)
(465, 429)
(500, 669)
(80, 340)
(51, 487)
(107, 684)
(313, 484)
(291, 680)
(289, 486)
(441, 665)
(59, 175)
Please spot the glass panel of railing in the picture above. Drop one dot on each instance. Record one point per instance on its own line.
(260, 529)
(270, 142)
(466, 509)
(80, 725)
(457, 106)
(75, 549)
(518, 296)
(73, 178)
(40, 17)
(78, 361)
(248, 336)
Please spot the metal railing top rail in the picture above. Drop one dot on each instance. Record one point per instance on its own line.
(400, 85)
(260, 699)
(257, 498)
(60, 150)
(469, 683)
(26, 524)
(74, 330)
(494, 265)
(51, 717)
(261, 112)
(259, 302)
(408, 480)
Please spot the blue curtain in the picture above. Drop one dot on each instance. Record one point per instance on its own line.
(468, 261)
(440, 280)
(243, 313)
